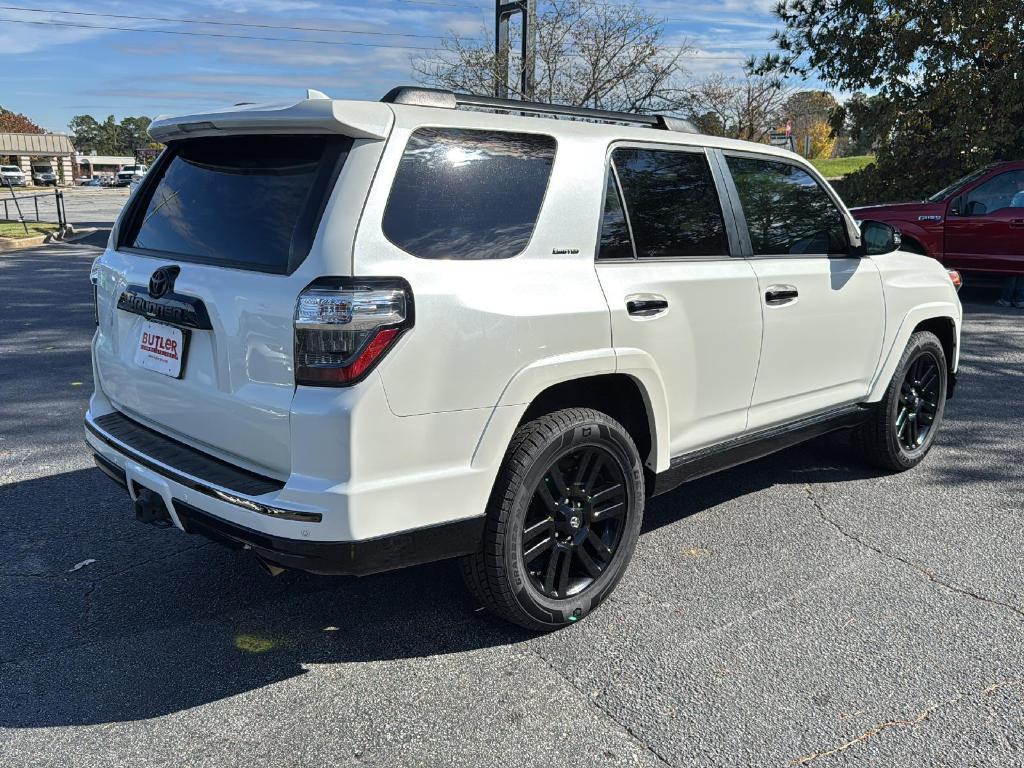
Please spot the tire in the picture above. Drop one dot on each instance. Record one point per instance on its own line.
(885, 437)
(577, 452)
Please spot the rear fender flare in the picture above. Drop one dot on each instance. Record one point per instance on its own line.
(532, 380)
(523, 387)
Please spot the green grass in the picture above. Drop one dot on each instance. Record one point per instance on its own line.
(14, 228)
(838, 167)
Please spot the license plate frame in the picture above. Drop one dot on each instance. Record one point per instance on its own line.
(152, 351)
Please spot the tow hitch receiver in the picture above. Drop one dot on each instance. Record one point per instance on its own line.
(150, 508)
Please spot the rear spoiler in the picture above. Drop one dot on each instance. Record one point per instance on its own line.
(357, 119)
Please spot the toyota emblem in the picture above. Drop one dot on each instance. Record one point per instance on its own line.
(162, 281)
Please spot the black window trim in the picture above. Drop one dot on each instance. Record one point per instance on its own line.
(725, 203)
(324, 183)
(741, 217)
(450, 127)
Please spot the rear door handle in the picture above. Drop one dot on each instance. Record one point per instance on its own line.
(780, 295)
(646, 306)
(1017, 223)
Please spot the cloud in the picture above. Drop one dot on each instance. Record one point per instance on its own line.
(24, 35)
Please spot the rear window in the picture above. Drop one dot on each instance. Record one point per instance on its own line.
(250, 202)
(468, 194)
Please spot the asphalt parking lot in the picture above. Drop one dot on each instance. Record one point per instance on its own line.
(800, 610)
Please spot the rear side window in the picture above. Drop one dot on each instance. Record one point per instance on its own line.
(672, 206)
(250, 202)
(468, 194)
(787, 211)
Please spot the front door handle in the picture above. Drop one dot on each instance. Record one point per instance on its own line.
(1017, 223)
(646, 306)
(780, 295)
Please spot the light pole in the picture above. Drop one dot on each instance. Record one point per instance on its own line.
(503, 12)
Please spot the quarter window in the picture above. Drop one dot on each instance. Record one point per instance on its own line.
(787, 211)
(671, 202)
(468, 194)
(615, 240)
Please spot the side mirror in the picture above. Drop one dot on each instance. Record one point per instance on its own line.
(879, 238)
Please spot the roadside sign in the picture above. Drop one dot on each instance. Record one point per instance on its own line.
(780, 139)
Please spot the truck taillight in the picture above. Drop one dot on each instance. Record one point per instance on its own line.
(956, 278)
(344, 326)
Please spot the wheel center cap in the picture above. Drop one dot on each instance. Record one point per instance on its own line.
(575, 522)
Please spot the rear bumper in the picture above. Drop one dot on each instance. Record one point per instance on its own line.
(203, 495)
(349, 558)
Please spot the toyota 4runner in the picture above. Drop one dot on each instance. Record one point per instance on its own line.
(353, 336)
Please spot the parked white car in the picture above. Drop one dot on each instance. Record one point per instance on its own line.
(12, 176)
(355, 336)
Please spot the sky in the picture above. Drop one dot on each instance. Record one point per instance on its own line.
(54, 66)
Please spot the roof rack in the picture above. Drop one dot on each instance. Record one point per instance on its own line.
(436, 97)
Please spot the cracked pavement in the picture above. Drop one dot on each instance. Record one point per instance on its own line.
(800, 610)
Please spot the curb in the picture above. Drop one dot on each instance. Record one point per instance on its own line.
(12, 244)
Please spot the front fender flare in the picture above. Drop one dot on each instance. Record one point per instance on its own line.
(915, 316)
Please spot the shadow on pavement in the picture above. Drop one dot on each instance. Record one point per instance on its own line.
(163, 621)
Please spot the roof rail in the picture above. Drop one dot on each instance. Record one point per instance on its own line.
(436, 97)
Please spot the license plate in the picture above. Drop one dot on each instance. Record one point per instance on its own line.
(161, 349)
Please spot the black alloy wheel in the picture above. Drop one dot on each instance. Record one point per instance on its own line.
(562, 522)
(919, 401)
(575, 521)
(899, 430)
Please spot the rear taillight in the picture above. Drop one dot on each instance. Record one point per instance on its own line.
(94, 278)
(344, 326)
(956, 278)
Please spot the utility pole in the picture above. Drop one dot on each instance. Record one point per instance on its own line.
(503, 12)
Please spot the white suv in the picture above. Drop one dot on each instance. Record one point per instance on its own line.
(12, 176)
(353, 336)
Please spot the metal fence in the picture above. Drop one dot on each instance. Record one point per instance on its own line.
(20, 205)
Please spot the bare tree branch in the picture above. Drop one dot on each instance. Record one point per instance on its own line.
(589, 53)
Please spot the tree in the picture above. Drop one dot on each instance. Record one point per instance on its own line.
(15, 122)
(741, 108)
(110, 137)
(133, 133)
(823, 140)
(947, 73)
(809, 112)
(589, 53)
(861, 119)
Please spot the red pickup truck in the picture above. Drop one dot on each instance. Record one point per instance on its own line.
(976, 224)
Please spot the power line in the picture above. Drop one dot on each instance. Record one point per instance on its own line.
(216, 23)
(217, 34)
(443, 4)
(269, 38)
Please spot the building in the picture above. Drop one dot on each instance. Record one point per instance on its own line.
(103, 165)
(28, 150)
